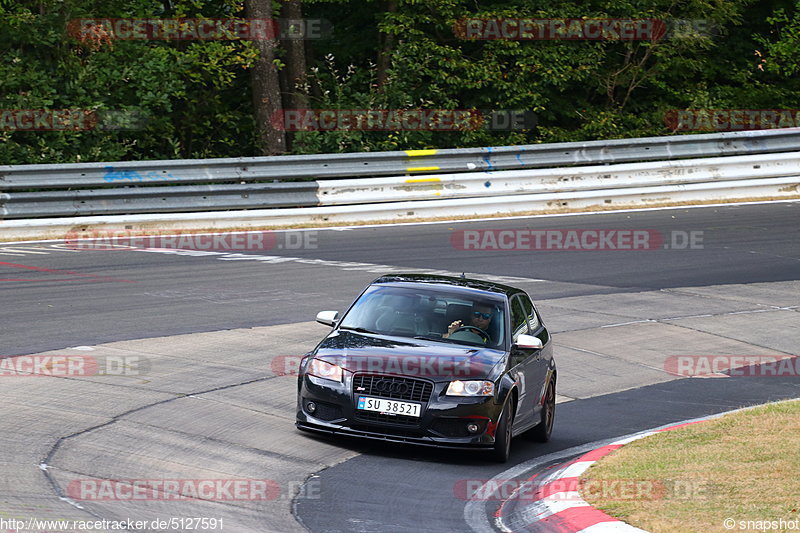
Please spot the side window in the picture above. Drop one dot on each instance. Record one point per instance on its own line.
(533, 319)
(519, 323)
(527, 306)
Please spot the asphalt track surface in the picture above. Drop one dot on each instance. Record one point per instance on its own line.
(389, 489)
(122, 295)
(54, 297)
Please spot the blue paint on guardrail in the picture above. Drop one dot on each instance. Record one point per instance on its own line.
(488, 159)
(112, 175)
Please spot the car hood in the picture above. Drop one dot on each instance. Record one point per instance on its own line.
(437, 361)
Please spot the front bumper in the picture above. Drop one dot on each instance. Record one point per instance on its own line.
(442, 423)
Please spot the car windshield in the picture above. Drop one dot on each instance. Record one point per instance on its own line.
(426, 312)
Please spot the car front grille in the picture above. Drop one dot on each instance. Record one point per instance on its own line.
(394, 387)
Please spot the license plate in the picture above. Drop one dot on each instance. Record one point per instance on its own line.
(389, 407)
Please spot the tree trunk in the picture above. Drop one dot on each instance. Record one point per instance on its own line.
(295, 80)
(265, 85)
(387, 45)
(291, 10)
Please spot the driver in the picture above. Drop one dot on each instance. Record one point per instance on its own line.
(480, 317)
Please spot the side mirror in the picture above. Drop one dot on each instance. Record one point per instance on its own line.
(528, 342)
(328, 318)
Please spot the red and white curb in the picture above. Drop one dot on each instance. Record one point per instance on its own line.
(549, 500)
(558, 505)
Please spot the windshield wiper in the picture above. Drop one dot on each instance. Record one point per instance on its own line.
(430, 337)
(435, 338)
(451, 341)
(358, 330)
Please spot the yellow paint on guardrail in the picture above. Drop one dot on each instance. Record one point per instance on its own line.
(420, 153)
(423, 180)
(436, 188)
(420, 169)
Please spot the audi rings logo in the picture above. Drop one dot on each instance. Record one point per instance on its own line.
(390, 387)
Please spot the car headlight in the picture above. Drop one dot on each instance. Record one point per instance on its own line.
(470, 388)
(324, 370)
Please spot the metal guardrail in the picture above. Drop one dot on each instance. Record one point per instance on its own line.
(559, 180)
(187, 198)
(624, 198)
(31, 191)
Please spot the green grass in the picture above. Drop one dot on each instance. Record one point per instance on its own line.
(743, 466)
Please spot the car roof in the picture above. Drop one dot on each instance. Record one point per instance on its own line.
(447, 281)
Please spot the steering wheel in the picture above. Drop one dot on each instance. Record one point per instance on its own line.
(474, 329)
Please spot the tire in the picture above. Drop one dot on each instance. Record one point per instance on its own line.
(502, 440)
(544, 429)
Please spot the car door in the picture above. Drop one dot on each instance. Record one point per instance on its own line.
(539, 360)
(523, 366)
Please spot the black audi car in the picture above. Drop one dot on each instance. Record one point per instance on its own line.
(432, 360)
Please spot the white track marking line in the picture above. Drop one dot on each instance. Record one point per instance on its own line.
(8, 250)
(342, 265)
(426, 223)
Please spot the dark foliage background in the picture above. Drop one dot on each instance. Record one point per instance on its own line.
(193, 98)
